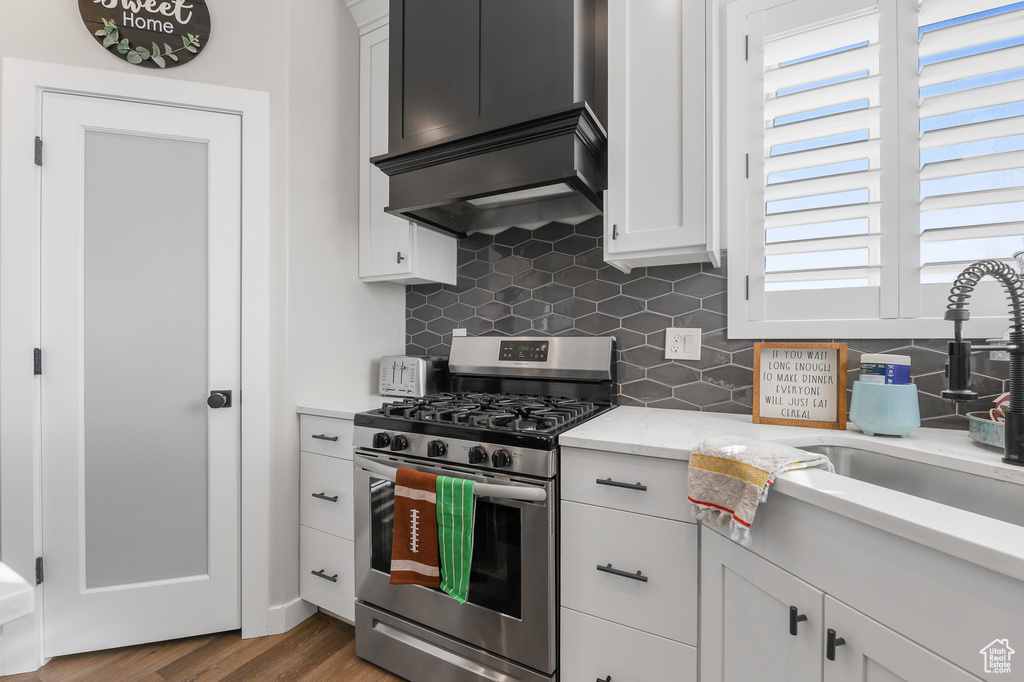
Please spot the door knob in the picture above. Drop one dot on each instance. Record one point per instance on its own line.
(219, 399)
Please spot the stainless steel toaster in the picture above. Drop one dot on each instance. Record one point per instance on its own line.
(412, 375)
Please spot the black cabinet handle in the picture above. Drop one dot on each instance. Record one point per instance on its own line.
(795, 618)
(625, 574)
(322, 574)
(831, 642)
(617, 484)
(324, 496)
(324, 436)
(607, 679)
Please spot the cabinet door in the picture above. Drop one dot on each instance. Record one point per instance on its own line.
(871, 652)
(745, 618)
(390, 248)
(656, 203)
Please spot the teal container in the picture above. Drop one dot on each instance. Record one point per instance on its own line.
(890, 409)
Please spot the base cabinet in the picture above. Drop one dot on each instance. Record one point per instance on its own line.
(761, 622)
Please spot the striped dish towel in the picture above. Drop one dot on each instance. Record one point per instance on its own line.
(455, 513)
(414, 542)
(729, 476)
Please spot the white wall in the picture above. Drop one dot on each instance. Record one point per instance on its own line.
(305, 54)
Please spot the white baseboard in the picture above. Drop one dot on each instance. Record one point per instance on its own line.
(284, 617)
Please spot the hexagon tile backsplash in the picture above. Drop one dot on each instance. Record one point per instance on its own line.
(554, 281)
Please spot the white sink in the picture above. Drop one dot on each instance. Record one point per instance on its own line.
(989, 497)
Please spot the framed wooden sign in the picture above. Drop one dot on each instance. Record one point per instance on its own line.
(800, 384)
(157, 34)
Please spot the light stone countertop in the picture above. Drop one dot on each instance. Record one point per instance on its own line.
(994, 544)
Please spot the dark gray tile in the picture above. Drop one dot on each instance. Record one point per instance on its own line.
(531, 249)
(717, 303)
(512, 295)
(414, 326)
(719, 340)
(621, 306)
(462, 283)
(744, 358)
(478, 326)
(476, 241)
(475, 297)
(706, 320)
(442, 298)
(933, 344)
(414, 299)
(932, 406)
(552, 293)
(553, 232)
(440, 349)
(494, 253)
(552, 262)
(493, 310)
(532, 309)
(531, 279)
(646, 288)
(646, 390)
(626, 372)
(701, 393)
(426, 339)
(426, 312)
(609, 273)
(644, 356)
(464, 256)
(576, 276)
(575, 245)
(512, 265)
(574, 307)
(627, 338)
(673, 374)
(592, 227)
(673, 273)
(427, 289)
(476, 269)
(512, 325)
(553, 324)
(728, 408)
(951, 421)
(593, 259)
(597, 323)
(413, 349)
(709, 358)
(721, 269)
(597, 291)
(923, 361)
(441, 326)
(672, 404)
(981, 363)
(459, 312)
(494, 282)
(512, 236)
(701, 285)
(646, 322)
(673, 304)
(629, 401)
(745, 396)
(729, 376)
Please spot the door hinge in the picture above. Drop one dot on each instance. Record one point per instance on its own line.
(37, 361)
(39, 570)
(39, 151)
(748, 287)
(746, 48)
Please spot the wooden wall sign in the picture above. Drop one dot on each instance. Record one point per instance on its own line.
(158, 34)
(800, 384)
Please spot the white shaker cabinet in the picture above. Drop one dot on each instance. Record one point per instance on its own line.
(628, 569)
(658, 203)
(391, 249)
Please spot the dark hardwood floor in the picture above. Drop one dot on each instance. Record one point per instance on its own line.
(321, 648)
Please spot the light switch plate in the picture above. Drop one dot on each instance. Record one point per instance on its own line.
(682, 343)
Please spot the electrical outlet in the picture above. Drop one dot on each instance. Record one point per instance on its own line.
(682, 343)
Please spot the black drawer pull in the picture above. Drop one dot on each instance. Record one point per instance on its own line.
(795, 618)
(831, 642)
(625, 574)
(617, 484)
(324, 436)
(321, 574)
(324, 496)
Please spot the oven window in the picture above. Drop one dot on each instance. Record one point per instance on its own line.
(495, 579)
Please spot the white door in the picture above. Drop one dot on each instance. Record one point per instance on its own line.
(140, 321)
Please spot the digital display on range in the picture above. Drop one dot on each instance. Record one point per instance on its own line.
(532, 351)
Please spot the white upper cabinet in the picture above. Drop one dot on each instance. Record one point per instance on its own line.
(657, 206)
(390, 248)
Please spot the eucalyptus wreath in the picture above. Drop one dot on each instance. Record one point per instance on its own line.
(138, 54)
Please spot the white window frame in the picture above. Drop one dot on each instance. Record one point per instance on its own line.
(900, 313)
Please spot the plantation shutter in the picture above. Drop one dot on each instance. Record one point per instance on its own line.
(971, 117)
(822, 161)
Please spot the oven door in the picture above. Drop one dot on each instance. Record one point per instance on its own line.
(511, 606)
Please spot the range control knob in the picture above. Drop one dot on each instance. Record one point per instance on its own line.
(381, 440)
(399, 442)
(501, 458)
(436, 448)
(477, 454)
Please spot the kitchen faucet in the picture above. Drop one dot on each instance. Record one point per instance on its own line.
(958, 368)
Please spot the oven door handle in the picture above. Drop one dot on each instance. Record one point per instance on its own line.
(497, 490)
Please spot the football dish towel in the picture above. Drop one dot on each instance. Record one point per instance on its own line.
(414, 545)
(455, 512)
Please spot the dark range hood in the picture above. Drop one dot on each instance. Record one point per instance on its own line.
(496, 114)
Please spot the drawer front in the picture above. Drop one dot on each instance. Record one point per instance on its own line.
(331, 557)
(664, 551)
(325, 436)
(325, 494)
(596, 649)
(664, 481)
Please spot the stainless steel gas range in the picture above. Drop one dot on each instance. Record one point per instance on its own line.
(499, 425)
